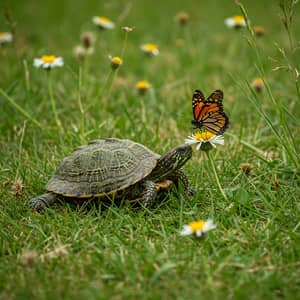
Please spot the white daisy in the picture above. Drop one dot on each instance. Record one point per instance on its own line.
(236, 22)
(203, 138)
(198, 228)
(48, 62)
(5, 37)
(103, 22)
(151, 49)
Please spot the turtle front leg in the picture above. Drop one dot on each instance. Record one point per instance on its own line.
(180, 175)
(41, 201)
(149, 194)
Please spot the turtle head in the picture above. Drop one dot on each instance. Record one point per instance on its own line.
(172, 160)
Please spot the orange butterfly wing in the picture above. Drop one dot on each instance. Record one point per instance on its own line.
(197, 103)
(208, 113)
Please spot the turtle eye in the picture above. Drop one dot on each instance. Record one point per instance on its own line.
(183, 153)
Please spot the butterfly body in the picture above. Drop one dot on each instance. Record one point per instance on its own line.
(208, 112)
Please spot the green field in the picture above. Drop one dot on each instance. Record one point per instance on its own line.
(122, 252)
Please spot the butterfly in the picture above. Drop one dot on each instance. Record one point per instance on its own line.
(208, 113)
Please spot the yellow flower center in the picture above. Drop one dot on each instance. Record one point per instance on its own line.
(239, 20)
(150, 47)
(142, 85)
(259, 30)
(197, 225)
(103, 20)
(116, 60)
(258, 82)
(2, 35)
(48, 58)
(203, 135)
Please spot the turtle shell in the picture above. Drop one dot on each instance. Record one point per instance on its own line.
(101, 168)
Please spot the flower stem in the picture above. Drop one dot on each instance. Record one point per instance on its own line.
(114, 74)
(79, 98)
(50, 90)
(124, 45)
(212, 163)
(19, 108)
(101, 91)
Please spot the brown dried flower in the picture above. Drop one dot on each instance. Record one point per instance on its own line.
(182, 18)
(17, 187)
(259, 30)
(28, 259)
(246, 168)
(87, 39)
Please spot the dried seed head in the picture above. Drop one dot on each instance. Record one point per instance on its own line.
(17, 187)
(246, 168)
(182, 18)
(28, 259)
(275, 183)
(87, 39)
(80, 53)
(59, 251)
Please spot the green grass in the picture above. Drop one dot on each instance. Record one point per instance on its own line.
(118, 252)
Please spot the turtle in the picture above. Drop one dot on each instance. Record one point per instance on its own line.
(115, 167)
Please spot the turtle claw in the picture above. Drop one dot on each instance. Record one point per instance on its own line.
(191, 192)
(37, 204)
(40, 202)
